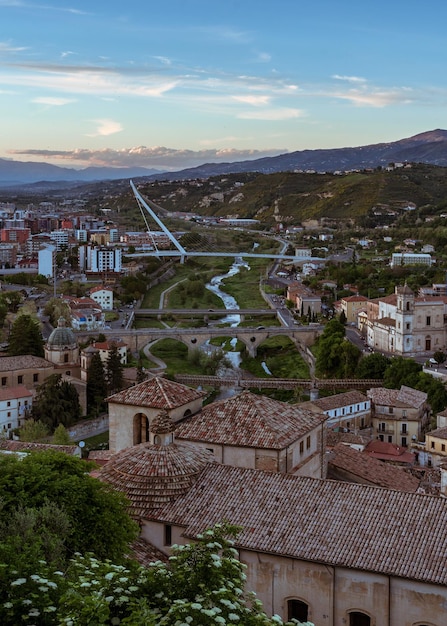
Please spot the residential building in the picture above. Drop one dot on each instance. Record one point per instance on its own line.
(86, 314)
(351, 305)
(47, 261)
(15, 404)
(304, 299)
(399, 416)
(103, 296)
(30, 371)
(100, 259)
(350, 411)
(104, 348)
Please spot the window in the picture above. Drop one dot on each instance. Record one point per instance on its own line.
(35, 378)
(8, 403)
(168, 535)
(407, 326)
(390, 409)
(404, 442)
(404, 429)
(390, 438)
(404, 413)
(4, 380)
(308, 442)
(432, 445)
(296, 609)
(443, 447)
(20, 380)
(301, 447)
(359, 619)
(382, 427)
(428, 320)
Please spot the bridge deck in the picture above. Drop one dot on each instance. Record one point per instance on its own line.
(277, 383)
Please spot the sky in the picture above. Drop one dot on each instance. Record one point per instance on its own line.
(170, 84)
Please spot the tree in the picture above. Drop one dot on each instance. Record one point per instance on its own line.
(373, 366)
(400, 372)
(25, 337)
(97, 514)
(203, 584)
(33, 430)
(61, 436)
(56, 402)
(114, 371)
(96, 386)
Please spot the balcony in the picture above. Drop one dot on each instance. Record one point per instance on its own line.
(385, 431)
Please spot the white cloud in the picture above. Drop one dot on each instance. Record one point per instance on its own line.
(349, 79)
(106, 128)
(254, 100)
(56, 102)
(272, 114)
(377, 98)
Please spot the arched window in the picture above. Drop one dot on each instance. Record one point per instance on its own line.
(297, 609)
(140, 429)
(187, 413)
(359, 619)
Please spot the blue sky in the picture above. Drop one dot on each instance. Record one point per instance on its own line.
(175, 83)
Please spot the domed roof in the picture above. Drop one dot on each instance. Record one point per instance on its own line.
(61, 336)
(152, 475)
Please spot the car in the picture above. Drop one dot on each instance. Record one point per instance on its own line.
(260, 328)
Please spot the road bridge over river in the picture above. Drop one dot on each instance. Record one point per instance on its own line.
(194, 338)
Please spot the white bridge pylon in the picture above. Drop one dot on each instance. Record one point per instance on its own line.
(180, 250)
(167, 232)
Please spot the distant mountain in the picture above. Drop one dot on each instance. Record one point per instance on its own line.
(25, 172)
(429, 147)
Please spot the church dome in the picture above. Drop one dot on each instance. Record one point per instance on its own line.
(61, 336)
(152, 475)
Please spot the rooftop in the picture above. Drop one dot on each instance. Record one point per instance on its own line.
(157, 393)
(249, 420)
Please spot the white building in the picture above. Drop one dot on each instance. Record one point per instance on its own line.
(410, 258)
(103, 296)
(100, 259)
(60, 238)
(14, 404)
(46, 260)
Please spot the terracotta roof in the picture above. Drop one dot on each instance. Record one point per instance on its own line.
(367, 468)
(22, 362)
(152, 475)
(157, 393)
(31, 446)
(12, 393)
(404, 397)
(342, 524)
(385, 321)
(338, 400)
(108, 345)
(249, 420)
(333, 438)
(146, 553)
(389, 452)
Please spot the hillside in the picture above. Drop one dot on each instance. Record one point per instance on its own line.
(293, 197)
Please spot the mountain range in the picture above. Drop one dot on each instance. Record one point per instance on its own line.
(429, 147)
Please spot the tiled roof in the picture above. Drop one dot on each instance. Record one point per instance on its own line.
(386, 451)
(30, 446)
(146, 553)
(11, 393)
(440, 433)
(404, 397)
(385, 321)
(152, 475)
(333, 438)
(157, 393)
(339, 400)
(372, 470)
(249, 420)
(22, 362)
(341, 524)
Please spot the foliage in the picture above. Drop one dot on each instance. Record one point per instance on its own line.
(56, 402)
(96, 385)
(56, 308)
(335, 356)
(203, 584)
(114, 371)
(33, 430)
(96, 514)
(373, 366)
(61, 436)
(25, 337)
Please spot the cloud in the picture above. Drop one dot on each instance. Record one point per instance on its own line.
(349, 79)
(274, 115)
(377, 98)
(254, 100)
(158, 157)
(106, 128)
(56, 102)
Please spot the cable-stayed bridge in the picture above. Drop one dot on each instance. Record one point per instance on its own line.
(152, 210)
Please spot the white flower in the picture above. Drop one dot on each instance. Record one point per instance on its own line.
(18, 581)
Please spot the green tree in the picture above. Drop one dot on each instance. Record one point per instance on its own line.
(96, 385)
(114, 371)
(25, 337)
(400, 372)
(33, 430)
(61, 436)
(373, 366)
(56, 402)
(203, 584)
